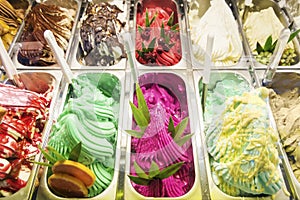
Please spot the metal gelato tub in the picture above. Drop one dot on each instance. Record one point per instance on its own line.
(177, 86)
(217, 19)
(112, 86)
(31, 50)
(98, 39)
(50, 82)
(284, 105)
(274, 18)
(158, 36)
(236, 80)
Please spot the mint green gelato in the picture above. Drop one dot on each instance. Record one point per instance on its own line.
(90, 117)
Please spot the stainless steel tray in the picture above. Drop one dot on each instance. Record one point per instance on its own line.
(44, 191)
(177, 82)
(214, 191)
(179, 15)
(279, 87)
(53, 78)
(74, 4)
(283, 18)
(23, 5)
(77, 55)
(197, 8)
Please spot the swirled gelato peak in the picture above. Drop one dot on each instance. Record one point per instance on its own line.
(218, 21)
(90, 117)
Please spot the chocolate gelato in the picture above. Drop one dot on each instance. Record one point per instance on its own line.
(35, 50)
(99, 31)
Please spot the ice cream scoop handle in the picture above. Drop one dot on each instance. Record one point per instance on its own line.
(272, 67)
(9, 66)
(59, 55)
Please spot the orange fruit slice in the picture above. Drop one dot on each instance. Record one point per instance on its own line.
(75, 169)
(67, 186)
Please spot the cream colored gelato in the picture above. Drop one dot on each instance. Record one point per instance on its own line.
(286, 109)
(260, 25)
(219, 22)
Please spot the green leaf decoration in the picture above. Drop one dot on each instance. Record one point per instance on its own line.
(138, 180)
(273, 46)
(42, 163)
(154, 173)
(148, 23)
(176, 132)
(171, 19)
(138, 116)
(183, 139)
(75, 152)
(140, 97)
(147, 18)
(179, 129)
(153, 18)
(137, 134)
(162, 31)
(56, 153)
(141, 54)
(144, 49)
(293, 35)
(167, 39)
(151, 45)
(50, 158)
(154, 170)
(171, 45)
(140, 29)
(259, 48)
(170, 170)
(175, 27)
(171, 127)
(268, 44)
(139, 171)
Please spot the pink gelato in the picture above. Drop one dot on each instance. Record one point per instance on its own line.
(158, 145)
(157, 36)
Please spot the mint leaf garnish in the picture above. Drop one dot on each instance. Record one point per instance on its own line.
(154, 170)
(141, 114)
(154, 173)
(75, 153)
(170, 170)
(171, 19)
(293, 35)
(268, 44)
(176, 132)
(138, 180)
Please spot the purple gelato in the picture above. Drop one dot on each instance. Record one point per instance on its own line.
(159, 145)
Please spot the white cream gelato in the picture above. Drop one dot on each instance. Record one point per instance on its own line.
(219, 22)
(260, 25)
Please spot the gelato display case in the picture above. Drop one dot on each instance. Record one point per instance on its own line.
(28, 115)
(136, 116)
